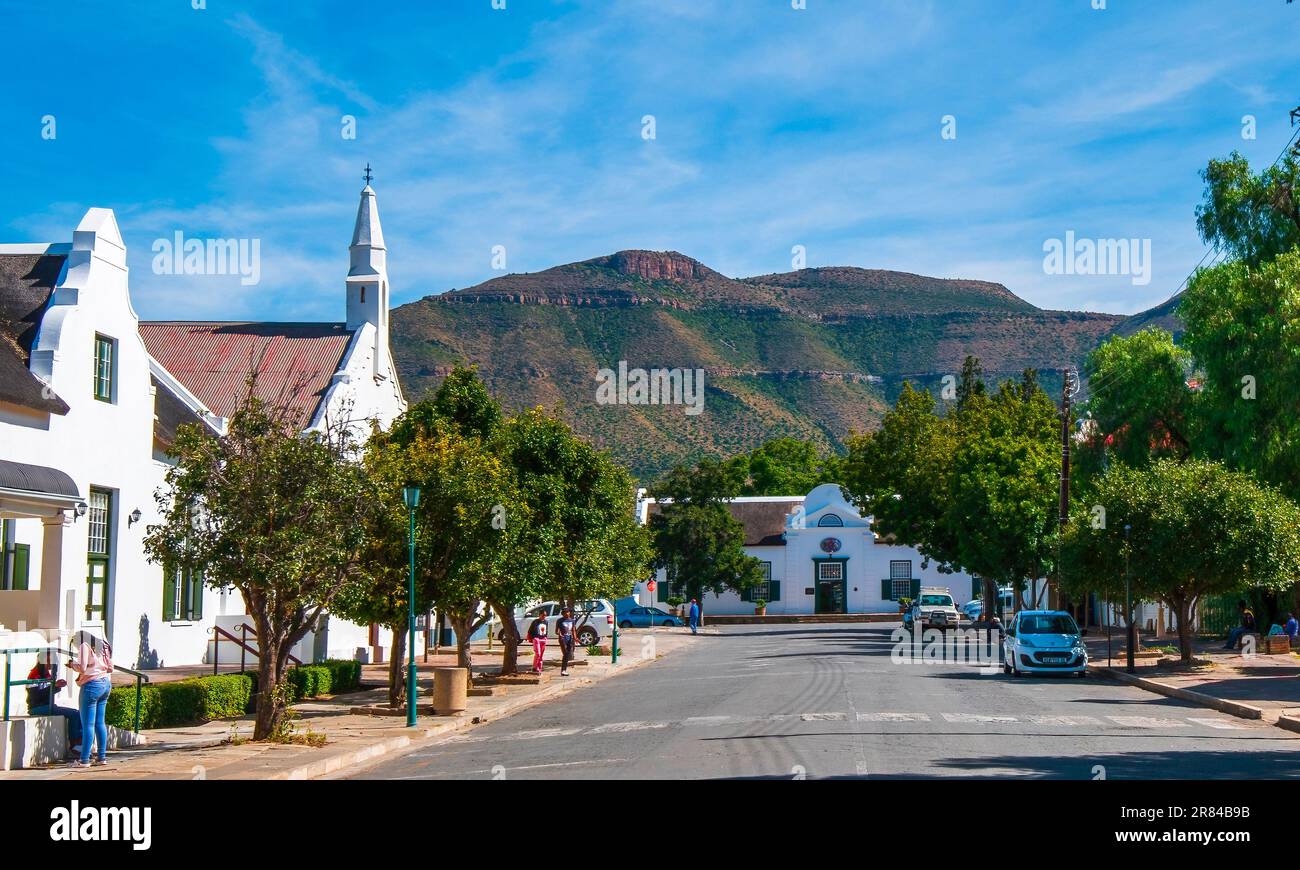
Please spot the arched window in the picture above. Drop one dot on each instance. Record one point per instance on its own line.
(830, 520)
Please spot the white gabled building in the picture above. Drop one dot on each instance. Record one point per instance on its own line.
(90, 400)
(820, 556)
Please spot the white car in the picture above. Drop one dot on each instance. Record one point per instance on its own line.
(594, 618)
(935, 609)
(1043, 641)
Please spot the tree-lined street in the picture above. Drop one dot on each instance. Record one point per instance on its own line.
(789, 701)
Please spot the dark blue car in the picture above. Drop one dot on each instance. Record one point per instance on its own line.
(645, 617)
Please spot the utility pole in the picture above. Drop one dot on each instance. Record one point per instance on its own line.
(1068, 387)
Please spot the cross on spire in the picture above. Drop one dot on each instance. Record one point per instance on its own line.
(368, 176)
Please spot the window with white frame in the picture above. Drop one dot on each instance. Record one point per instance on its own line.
(105, 367)
(900, 576)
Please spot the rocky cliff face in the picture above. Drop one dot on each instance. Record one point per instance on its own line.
(658, 265)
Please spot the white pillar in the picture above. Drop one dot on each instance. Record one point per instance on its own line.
(51, 613)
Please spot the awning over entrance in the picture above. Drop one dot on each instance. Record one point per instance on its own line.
(34, 490)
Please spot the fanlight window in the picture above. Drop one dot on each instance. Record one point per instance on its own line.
(830, 520)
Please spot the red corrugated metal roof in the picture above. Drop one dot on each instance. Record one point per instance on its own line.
(294, 361)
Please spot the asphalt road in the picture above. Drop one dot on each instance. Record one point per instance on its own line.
(815, 701)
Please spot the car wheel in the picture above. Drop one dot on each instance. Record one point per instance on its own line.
(625, 624)
(588, 636)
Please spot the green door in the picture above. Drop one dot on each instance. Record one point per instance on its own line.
(830, 584)
(97, 590)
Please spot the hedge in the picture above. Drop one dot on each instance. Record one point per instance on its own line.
(225, 696)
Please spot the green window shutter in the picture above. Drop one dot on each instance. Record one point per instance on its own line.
(22, 565)
(774, 589)
(196, 595)
(169, 594)
(916, 588)
(747, 594)
(886, 589)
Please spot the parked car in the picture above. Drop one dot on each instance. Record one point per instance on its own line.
(935, 608)
(1044, 641)
(645, 617)
(974, 609)
(595, 619)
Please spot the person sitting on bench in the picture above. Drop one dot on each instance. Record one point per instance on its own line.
(40, 700)
(1247, 626)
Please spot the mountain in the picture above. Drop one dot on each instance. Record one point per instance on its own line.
(813, 354)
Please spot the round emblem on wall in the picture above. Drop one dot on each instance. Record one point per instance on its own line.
(830, 545)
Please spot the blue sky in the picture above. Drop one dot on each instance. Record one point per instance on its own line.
(522, 127)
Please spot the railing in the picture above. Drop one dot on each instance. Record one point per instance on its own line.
(244, 628)
(10, 682)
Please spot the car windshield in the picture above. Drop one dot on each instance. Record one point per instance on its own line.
(936, 601)
(1048, 623)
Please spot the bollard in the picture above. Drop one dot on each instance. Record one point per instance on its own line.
(450, 689)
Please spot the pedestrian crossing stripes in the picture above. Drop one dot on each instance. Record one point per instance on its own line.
(1136, 723)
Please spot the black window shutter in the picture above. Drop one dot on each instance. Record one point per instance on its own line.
(886, 589)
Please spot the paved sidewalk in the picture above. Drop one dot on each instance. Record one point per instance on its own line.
(1264, 687)
(354, 737)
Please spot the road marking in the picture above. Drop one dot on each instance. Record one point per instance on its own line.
(893, 717)
(1064, 720)
(619, 727)
(705, 721)
(1223, 724)
(1147, 722)
(542, 732)
(968, 718)
(823, 717)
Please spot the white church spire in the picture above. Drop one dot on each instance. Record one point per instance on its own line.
(367, 284)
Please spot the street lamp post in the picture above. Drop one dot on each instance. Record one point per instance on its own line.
(1128, 601)
(411, 497)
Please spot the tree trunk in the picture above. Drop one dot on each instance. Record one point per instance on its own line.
(1182, 605)
(510, 641)
(272, 653)
(396, 669)
(463, 625)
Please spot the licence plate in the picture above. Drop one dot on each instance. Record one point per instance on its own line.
(1056, 658)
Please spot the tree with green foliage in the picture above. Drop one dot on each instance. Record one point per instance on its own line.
(783, 466)
(587, 502)
(1241, 325)
(697, 541)
(278, 515)
(1140, 404)
(1252, 217)
(1197, 529)
(974, 489)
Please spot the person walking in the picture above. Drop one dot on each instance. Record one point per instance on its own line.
(695, 616)
(40, 700)
(93, 662)
(564, 630)
(537, 637)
